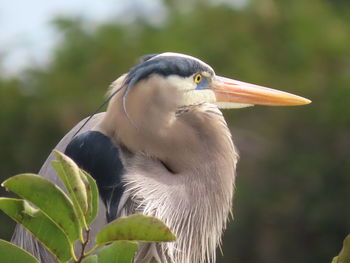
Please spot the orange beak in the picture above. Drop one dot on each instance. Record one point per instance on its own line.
(234, 91)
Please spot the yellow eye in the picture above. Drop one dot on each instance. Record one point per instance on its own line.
(198, 78)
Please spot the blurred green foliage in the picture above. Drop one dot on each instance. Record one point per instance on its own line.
(292, 190)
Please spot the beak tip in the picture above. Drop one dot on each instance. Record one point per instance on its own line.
(304, 101)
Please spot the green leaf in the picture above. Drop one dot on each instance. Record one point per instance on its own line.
(11, 253)
(93, 197)
(69, 173)
(344, 255)
(49, 198)
(41, 226)
(135, 228)
(91, 259)
(118, 252)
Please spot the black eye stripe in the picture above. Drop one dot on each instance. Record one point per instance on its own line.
(166, 66)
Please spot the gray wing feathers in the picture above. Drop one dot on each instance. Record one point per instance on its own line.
(23, 238)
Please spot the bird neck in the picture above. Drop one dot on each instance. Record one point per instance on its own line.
(195, 202)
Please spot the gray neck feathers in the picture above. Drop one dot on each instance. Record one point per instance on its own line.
(194, 203)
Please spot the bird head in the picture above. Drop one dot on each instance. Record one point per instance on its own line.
(148, 110)
(198, 83)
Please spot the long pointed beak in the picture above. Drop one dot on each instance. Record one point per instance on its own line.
(230, 90)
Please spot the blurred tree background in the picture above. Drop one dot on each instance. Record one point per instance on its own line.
(293, 184)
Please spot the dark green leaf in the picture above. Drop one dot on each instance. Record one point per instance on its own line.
(93, 198)
(69, 173)
(118, 252)
(49, 198)
(41, 226)
(11, 253)
(135, 228)
(344, 255)
(92, 259)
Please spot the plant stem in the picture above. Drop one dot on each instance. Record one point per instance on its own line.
(90, 251)
(83, 246)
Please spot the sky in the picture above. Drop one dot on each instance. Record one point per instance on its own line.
(26, 36)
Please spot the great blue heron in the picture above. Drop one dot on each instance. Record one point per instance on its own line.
(164, 149)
